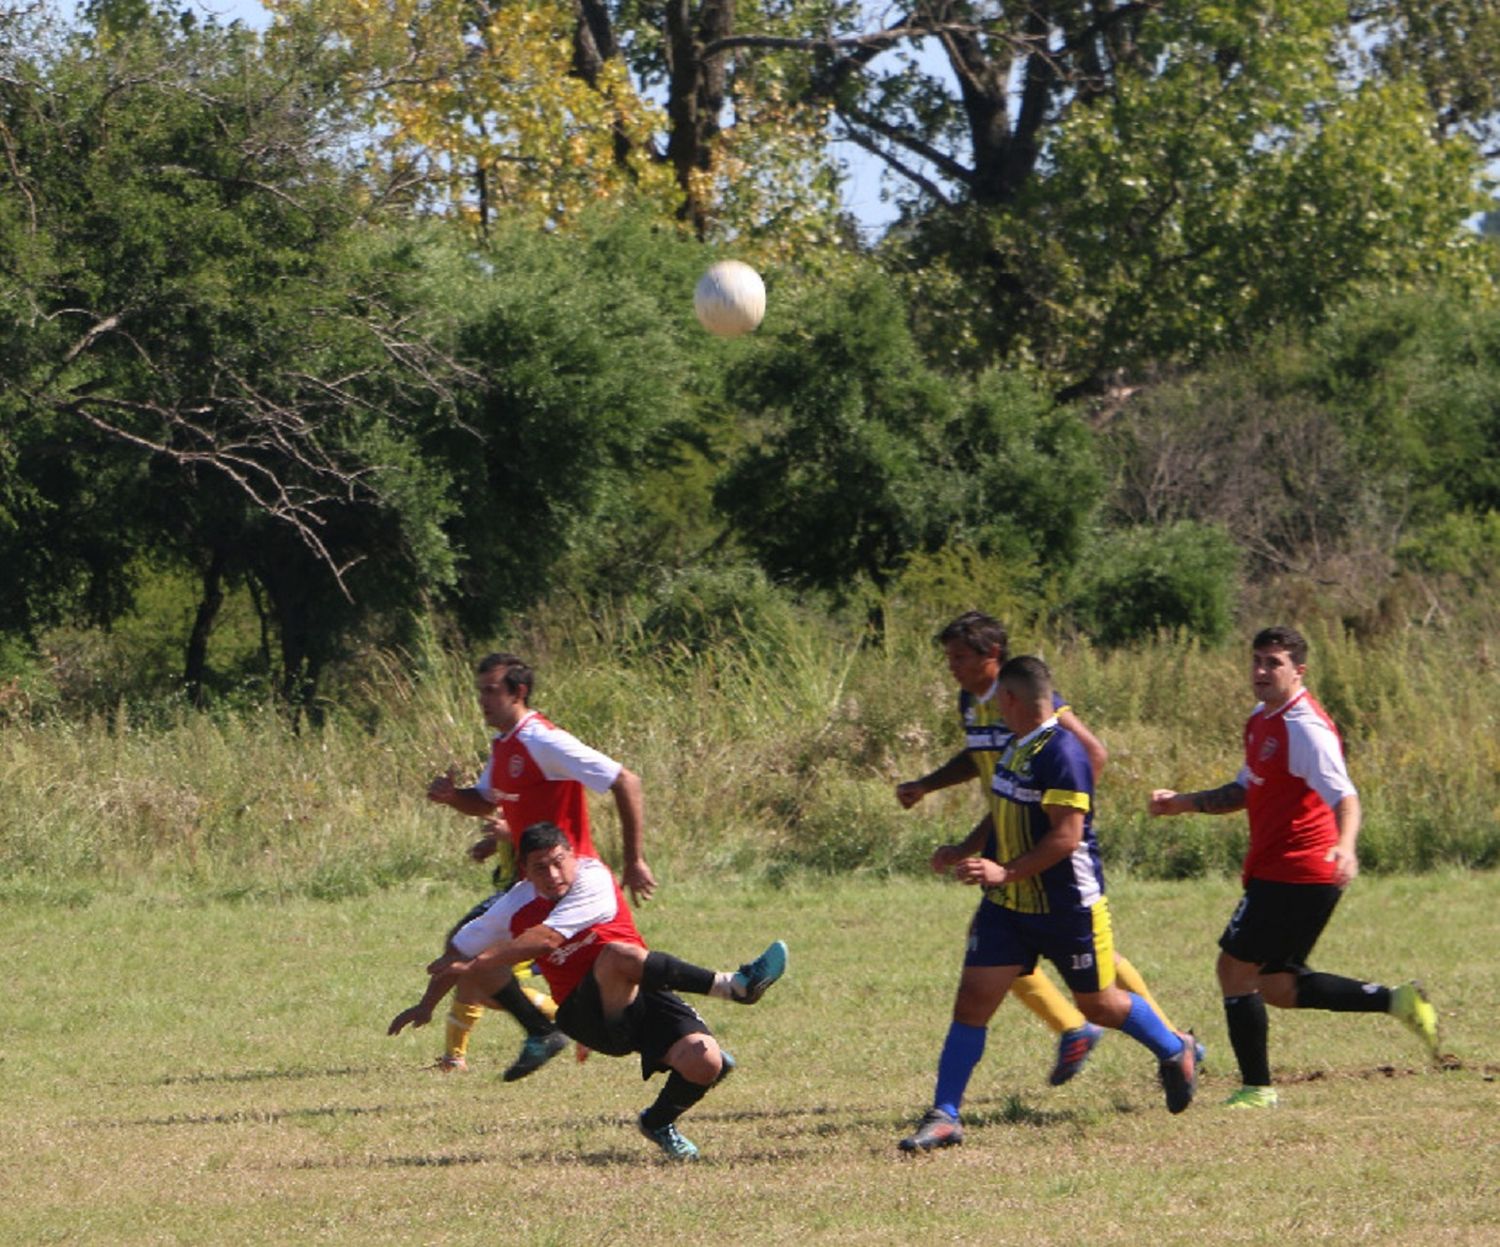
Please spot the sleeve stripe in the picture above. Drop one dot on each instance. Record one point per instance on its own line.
(1072, 800)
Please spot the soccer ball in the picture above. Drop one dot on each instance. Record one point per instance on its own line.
(730, 299)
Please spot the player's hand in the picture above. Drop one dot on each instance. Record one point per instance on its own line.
(980, 871)
(639, 881)
(1163, 801)
(443, 788)
(415, 1017)
(909, 793)
(1345, 864)
(483, 848)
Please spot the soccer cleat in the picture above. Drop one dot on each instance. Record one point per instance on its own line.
(671, 1140)
(936, 1129)
(535, 1053)
(1073, 1048)
(1179, 1075)
(748, 984)
(726, 1067)
(1409, 1003)
(1200, 1053)
(1252, 1097)
(451, 1064)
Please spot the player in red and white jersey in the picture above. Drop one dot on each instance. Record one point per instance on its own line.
(1304, 816)
(536, 772)
(614, 995)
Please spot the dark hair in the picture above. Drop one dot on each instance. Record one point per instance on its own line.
(980, 632)
(537, 837)
(1282, 637)
(518, 676)
(1027, 676)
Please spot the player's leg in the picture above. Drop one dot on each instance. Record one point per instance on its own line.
(995, 958)
(622, 968)
(1082, 948)
(1253, 937)
(497, 988)
(695, 1063)
(1076, 1035)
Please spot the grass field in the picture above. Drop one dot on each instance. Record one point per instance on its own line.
(178, 1070)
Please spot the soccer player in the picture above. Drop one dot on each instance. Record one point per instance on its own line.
(1035, 858)
(536, 772)
(1304, 822)
(975, 645)
(613, 994)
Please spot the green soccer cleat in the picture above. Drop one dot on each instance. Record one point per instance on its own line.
(535, 1052)
(748, 984)
(1252, 1097)
(673, 1143)
(1409, 1003)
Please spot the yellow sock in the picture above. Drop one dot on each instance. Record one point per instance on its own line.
(461, 1019)
(1130, 979)
(1036, 992)
(545, 1003)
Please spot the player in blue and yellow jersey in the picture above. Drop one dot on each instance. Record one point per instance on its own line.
(1035, 857)
(975, 645)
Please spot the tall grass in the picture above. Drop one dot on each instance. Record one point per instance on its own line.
(760, 758)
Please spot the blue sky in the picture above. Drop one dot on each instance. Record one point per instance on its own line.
(861, 189)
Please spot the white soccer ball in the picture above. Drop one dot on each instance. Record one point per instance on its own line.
(730, 299)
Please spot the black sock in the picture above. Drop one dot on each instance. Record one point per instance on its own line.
(675, 1099)
(1248, 1030)
(1341, 995)
(664, 970)
(518, 1004)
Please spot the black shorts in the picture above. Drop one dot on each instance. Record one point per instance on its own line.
(650, 1025)
(1275, 925)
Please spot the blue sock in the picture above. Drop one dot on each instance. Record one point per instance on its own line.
(961, 1052)
(1144, 1025)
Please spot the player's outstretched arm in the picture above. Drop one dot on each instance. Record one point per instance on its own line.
(958, 769)
(1225, 799)
(443, 790)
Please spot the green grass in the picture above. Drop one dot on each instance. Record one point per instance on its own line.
(180, 1069)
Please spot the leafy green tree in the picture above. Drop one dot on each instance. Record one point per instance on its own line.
(862, 455)
(197, 327)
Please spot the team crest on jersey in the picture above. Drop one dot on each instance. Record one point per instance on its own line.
(1268, 748)
(516, 766)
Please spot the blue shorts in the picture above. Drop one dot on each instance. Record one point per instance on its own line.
(1080, 942)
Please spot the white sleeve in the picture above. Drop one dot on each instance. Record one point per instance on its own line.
(485, 784)
(493, 925)
(590, 901)
(1314, 756)
(561, 755)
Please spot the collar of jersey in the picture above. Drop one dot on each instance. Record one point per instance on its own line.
(1286, 705)
(1030, 736)
(520, 723)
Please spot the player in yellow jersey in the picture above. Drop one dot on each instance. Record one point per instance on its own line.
(975, 646)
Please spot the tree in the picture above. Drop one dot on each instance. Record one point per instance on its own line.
(195, 319)
(862, 455)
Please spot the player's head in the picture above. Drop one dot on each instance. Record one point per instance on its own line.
(974, 644)
(1025, 696)
(1278, 663)
(503, 683)
(547, 859)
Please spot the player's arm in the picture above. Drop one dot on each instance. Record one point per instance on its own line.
(1344, 855)
(958, 769)
(532, 943)
(1098, 755)
(634, 873)
(945, 855)
(443, 791)
(1225, 799)
(1064, 835)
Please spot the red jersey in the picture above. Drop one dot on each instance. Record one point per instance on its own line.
(537, 773)
(1294, 775)
(589, 915)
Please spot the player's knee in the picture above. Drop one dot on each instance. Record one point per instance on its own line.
(697, 1058)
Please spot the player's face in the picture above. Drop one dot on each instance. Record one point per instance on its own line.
(972, 672)
(552, 871)
(501, 708)
(1274, 676)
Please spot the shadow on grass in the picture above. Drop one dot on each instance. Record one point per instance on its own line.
(241, 1117)
(260, 1075)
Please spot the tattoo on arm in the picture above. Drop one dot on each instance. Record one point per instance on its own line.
(1225, 799)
